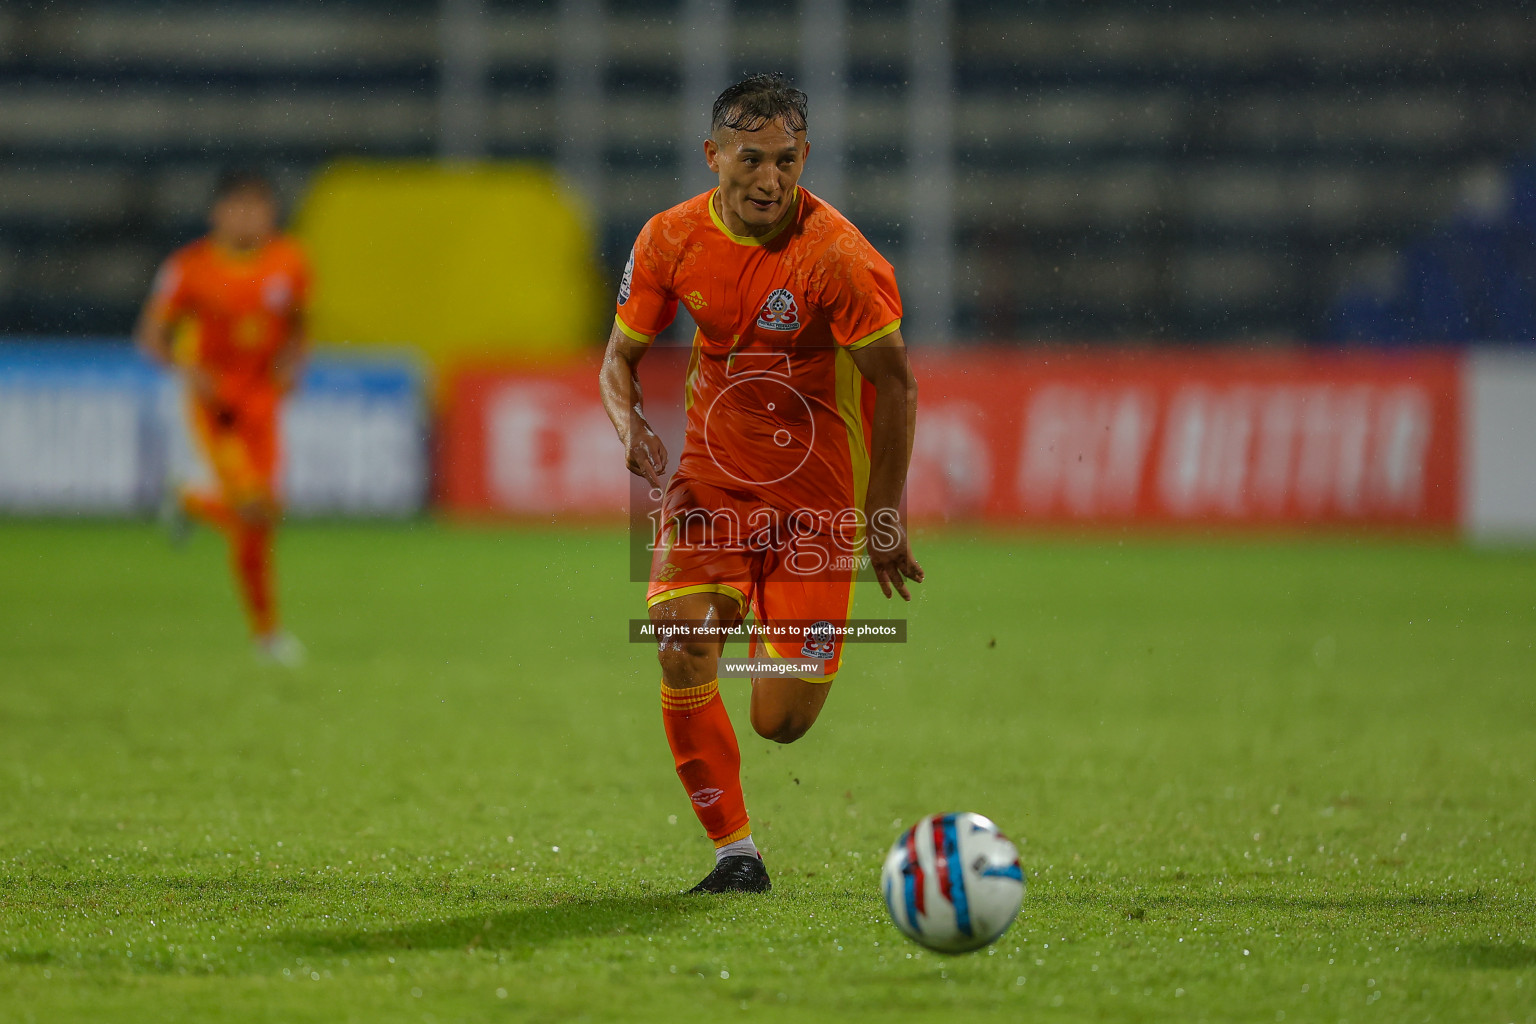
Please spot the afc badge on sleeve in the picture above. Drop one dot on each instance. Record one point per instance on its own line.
(629, 274)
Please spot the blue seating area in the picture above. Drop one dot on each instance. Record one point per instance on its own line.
(1471, 280)
(1124, 171)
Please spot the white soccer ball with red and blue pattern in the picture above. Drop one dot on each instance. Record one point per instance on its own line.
(953, 882)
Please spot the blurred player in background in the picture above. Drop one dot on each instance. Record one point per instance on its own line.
(801, 407)
(227, 312)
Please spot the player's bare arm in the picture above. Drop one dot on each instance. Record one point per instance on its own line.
(619, 382)
(884, 364)
(290, 360)
(155, 335)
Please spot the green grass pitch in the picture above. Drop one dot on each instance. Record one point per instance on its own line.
(1252, 781)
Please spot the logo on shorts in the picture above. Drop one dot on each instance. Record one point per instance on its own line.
(706, 797)
(779, 313)
(629, 275)
(696, 300)
(819, 641)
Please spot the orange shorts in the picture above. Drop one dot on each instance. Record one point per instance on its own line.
(794, 579)
(240, 441)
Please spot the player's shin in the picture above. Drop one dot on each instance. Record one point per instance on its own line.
(251, 545)
(211, 510)
(708, 762)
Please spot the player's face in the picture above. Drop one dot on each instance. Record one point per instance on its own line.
(758, 171)
(244, 219)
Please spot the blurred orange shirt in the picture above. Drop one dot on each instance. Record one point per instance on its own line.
(239, 311)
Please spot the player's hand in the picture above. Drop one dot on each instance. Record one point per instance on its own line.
(894, 566)
(645, 455)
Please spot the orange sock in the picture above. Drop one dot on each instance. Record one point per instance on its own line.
(251, 548)
(213, 511)
(707, 758)
(250, 555)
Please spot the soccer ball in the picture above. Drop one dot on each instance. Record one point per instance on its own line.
(952, 882)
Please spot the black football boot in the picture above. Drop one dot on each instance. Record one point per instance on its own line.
(735, 874)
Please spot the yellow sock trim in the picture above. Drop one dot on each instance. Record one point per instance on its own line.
(740, 833)
(688, 698)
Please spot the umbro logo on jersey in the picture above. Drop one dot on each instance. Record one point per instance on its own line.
(779, 313)
(695, 300)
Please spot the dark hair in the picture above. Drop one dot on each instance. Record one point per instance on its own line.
(233, 180)
(757, 101)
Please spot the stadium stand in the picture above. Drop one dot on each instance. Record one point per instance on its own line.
(1124, 171)
(1470, 280)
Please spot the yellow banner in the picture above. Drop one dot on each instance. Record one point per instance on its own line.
(454, 260)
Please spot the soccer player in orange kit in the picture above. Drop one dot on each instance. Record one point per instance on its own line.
(800, 414)
(227, 312)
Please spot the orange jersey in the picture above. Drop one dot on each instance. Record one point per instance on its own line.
(242, 309)
(776, 408)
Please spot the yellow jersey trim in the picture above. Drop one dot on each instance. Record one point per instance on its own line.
(890, 328)
(691, 378)
(850, 407)
(778, 229)
(698, 588)
(630, 332)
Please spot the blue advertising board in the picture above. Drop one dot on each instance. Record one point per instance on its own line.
(93, 428)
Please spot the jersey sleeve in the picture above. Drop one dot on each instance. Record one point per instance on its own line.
(646, 303)
(858, 296)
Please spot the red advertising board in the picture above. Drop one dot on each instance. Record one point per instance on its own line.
(1166, 438)
(1028, 437)
(532, 442)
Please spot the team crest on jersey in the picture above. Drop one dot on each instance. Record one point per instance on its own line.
(629, 274)
(779, 313)
(277, 293)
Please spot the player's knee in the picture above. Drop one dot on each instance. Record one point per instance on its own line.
(686, 664)
(781, 725)
(256, 512)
